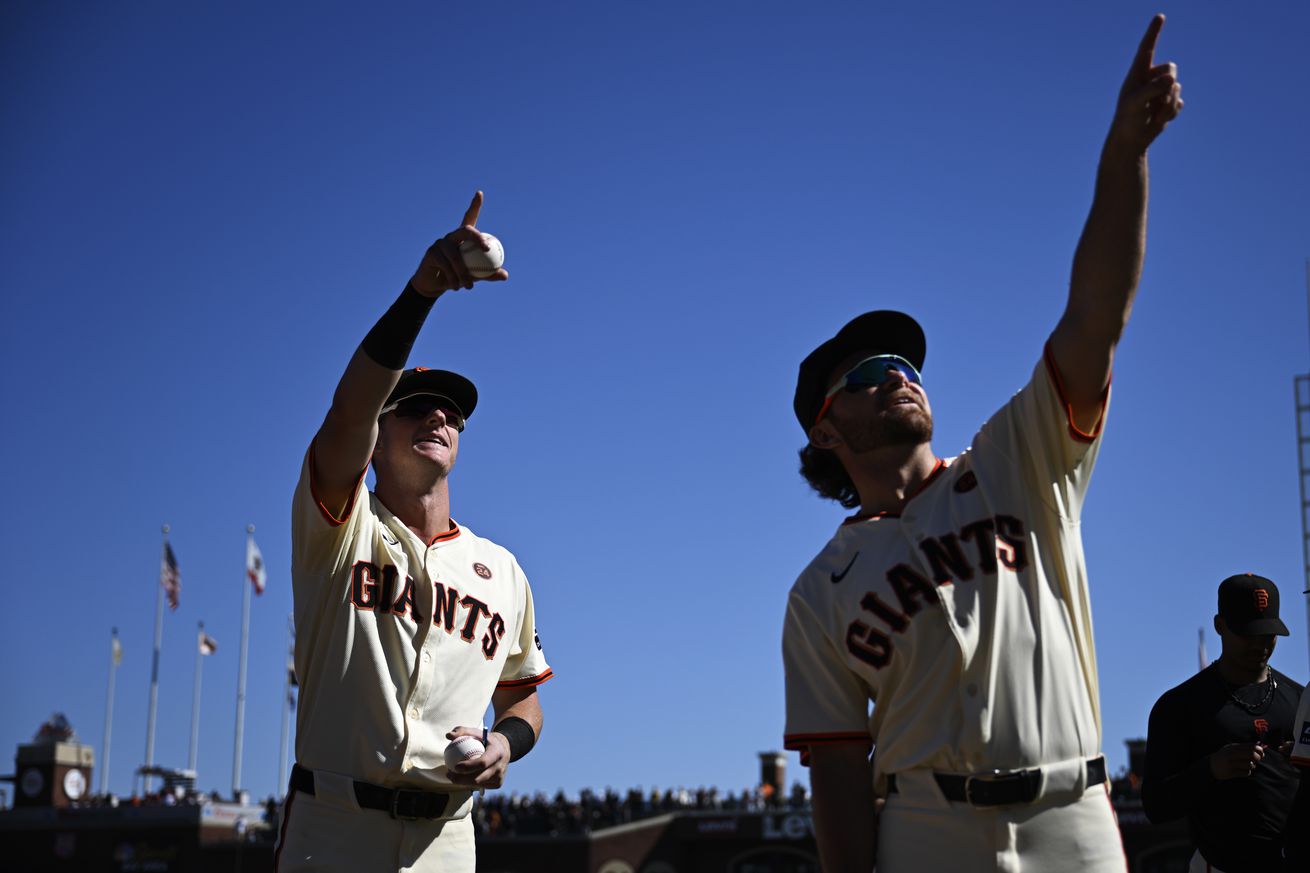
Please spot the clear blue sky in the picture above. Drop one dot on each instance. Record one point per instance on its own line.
(202, 211)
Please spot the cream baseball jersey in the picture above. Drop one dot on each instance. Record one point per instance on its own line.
(965, 618)
(397, 640)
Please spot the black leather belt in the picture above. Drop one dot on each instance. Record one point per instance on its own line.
(1000, 789)
(400, 803)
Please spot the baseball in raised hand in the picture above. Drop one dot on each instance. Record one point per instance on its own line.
(445, 267)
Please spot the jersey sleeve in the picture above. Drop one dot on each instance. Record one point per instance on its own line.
(525, 664)
(1036, 433)
(826, 701)
(320, 541)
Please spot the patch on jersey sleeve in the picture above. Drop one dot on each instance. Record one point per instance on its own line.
(481, 570)
(966, 483)
(536, 638)
(1305, 732)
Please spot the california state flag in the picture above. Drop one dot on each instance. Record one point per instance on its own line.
(255, 565)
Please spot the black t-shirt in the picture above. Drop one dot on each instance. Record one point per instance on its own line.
(1237, 824)
(1297, 842)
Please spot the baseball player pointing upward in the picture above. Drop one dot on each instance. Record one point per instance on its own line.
(956, 600)
(408, 624)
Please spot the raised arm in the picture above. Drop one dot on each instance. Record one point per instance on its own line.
(344, 443)
(1107, 265)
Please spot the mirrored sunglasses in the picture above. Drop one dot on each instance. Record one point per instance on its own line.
(869, 373)
(421, 405)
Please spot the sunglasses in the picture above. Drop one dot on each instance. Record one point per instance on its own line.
(421, 406)
(868, 373)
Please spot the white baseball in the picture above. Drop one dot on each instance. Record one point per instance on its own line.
(482, 264)
(463, 749)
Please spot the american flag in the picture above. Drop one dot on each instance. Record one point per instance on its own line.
(292, 681)
(255, 566)
(207, 644)
(169, 576)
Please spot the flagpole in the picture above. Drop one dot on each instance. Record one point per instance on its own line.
(286, 710)
(109, 712)
(195, 702)
(154, 676)
(241, 673)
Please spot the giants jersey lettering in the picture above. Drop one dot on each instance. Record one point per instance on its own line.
(397, 640)
(965, 618)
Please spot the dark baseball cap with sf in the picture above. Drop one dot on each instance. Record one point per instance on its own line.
(881, 332)
(1248, 604)
(438, 383)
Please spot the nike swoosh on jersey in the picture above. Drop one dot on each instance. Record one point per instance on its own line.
(837, 577)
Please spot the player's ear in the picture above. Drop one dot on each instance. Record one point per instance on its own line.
(1219, 625)
(824, 436)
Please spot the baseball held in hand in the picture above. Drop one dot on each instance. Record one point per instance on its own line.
(463, 749)
(483, 264)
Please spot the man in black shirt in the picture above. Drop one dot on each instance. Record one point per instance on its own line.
(1213, 746)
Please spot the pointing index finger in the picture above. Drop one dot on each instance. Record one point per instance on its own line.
(1146, 51)
(471, 215)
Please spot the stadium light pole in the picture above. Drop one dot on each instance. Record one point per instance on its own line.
(1301, 389)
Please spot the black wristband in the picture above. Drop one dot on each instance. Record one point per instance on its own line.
(519, 734)
(390, 340)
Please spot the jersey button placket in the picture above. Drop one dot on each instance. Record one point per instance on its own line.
(430, 639)
(432, 569)
(419, 732)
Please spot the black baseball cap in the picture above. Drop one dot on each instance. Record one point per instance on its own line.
(440, 383)
(1248, 604)
(881, 332)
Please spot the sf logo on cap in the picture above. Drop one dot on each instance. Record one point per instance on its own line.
(1261, 599)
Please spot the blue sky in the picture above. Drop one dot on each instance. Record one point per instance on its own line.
(202, 211)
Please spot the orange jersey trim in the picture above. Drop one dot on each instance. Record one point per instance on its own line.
(448, 535)
(1109, 799)
(528, 682)
(937, 471)
(804, 742)
(313, 491)
(797, 742)
(1074, 432)
(282, 831)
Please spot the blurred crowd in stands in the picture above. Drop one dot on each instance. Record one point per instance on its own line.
(536, 815)
(174, 797)
(521, 815)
